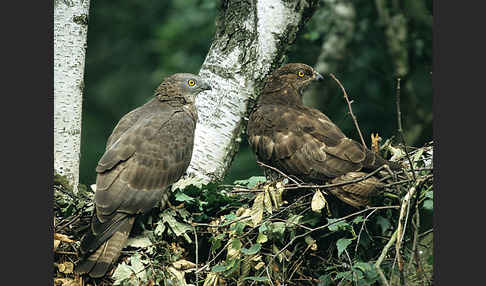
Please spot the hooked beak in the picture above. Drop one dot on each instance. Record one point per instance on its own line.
(318, 76)
(206, 86)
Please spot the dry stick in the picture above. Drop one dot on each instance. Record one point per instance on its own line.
(382, 276)
(197, 256)
(301, 186)
(278, 171)
(405, 207)
(400, 130)
(350, 109)
(383, 255)
(361, 230)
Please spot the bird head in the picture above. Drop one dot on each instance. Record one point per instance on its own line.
(297, 74)
(182, 86)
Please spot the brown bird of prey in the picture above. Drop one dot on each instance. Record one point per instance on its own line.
(149, 149)
(303, 142)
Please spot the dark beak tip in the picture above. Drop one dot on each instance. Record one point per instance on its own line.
(319, 77)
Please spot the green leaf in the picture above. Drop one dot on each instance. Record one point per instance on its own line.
(429, 205)
(383, 223)
(251, 182)
(181, 197)
(177, 227)
(338, 225)
(160, 228)
(293, 220)
(236, 243)
(256, 278)
(358, 219)
(278, 227)
(122, 272)
(139, 241)
(138, 267)
(342, 244)
(219, 268)
(348, 275)
(262, 238)
(263, 227)
(252, 250)
(325, 280)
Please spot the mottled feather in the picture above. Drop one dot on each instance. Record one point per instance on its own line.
(149, 149)
(302, 141)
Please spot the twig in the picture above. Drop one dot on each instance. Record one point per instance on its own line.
(385, 249)
(350, 109)
(415, 254)
(361, 230)
(278, 171)
(382, 276)
(400, 130)
(302, 186)
(197, 256)
(405, 207)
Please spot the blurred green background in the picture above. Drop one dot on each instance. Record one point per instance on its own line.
(133, 45)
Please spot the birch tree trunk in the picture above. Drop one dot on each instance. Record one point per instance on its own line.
(250, 42)
(70, 32)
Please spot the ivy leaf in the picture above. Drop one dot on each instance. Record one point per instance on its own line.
(236, 243)
(262, 238)
(219, 268)
(122, 272)
(429, 205)
(251, 182)
(160, 228)
(358, 219)
(138, 267)
(278, 227)
(383, 223)
(325, 280)
(177, 227)
(252, 250)
(139, 241)
(338, 225)
(181, 197)
(342, 244)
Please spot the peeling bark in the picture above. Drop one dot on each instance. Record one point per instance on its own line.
(70, 31)
(250, 42)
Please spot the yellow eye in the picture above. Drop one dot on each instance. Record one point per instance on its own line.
(301, 74)
(191, 82)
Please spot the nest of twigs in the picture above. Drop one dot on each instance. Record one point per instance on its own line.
(259, 232)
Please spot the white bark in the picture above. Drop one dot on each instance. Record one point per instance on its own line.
(251, 40)
(70, 33)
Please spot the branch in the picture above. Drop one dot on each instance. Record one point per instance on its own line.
(350, 110)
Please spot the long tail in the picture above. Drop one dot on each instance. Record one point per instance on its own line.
(99, 261)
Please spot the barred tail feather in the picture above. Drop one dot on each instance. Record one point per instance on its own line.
(99, 262)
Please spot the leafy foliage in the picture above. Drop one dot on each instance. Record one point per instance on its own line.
(260, 231)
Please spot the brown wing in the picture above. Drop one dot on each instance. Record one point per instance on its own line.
(302, 141)
(133, 174)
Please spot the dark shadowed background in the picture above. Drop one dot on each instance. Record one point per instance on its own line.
(133, 45)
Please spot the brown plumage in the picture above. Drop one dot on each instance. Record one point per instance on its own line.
(149, 149)
(303, 142)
